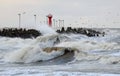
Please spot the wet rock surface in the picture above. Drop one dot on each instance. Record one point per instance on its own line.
(32, 33)
(85, 31)
(22, 32)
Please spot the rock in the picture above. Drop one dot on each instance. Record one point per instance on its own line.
(65, 49)
(87, 32)
(22, 33)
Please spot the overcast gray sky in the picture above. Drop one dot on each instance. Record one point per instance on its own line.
(74, 12)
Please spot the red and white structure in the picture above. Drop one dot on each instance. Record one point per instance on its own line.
(49, 20)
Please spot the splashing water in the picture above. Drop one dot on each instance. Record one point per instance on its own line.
(93, 54)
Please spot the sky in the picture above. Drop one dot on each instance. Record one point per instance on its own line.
(76, 13)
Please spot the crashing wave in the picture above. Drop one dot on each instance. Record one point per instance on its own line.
(43, 48)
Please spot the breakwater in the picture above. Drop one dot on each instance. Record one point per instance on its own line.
(32, 33)
(85, 31)
(22, 32)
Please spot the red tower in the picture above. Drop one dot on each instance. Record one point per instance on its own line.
(49, 16)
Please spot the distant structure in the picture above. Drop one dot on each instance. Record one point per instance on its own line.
(19, 20)
(49, 16)
(35, 19)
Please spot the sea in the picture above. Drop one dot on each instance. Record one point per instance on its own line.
(46, 56)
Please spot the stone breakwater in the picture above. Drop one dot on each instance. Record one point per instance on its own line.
(22, 32)
(32, 33)
(84, 31)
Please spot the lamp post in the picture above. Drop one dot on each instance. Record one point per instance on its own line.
(59, 22)
(63, 23)
(19, 20)
(35, 19)
(54, 22)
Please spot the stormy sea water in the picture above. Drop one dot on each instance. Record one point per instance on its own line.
(46, 55)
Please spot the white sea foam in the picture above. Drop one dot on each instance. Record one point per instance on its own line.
(84, 48)
(93, 54)
(45, 29)
(34, 51)
(89, 45)
(103, 59)
(31, 54)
